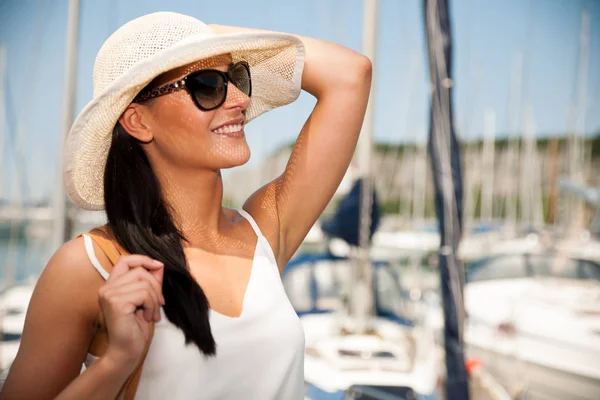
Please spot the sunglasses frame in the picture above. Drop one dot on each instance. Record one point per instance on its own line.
(188, 84)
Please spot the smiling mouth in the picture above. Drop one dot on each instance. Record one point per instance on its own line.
(236, 130)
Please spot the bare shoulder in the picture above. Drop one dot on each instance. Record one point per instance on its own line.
(70, 275)
(71, 268)
(61, 321)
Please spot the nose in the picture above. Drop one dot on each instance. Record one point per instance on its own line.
(236, 98)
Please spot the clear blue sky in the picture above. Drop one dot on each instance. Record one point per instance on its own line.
(489, 36)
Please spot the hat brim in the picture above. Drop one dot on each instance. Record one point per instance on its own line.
(276, 62)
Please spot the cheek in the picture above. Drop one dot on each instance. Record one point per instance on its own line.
(183, 135)
(182, 127)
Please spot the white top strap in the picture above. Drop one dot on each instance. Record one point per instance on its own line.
(89, 248)
(251, 221)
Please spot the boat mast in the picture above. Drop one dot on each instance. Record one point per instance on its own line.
(361, 302)
(515, 97)
(576, 136)
(2, 114)
(487, 171)
(447, 177)
(61, 229)
(419, 182)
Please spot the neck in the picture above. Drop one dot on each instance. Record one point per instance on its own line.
(194, 198)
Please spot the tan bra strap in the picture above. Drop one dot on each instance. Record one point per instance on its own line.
(113, 251)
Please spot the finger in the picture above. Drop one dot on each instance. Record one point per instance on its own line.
(127, 303)
(130, 287)
(137, 286)
(159, 273)
(125, 300)
(126, 263)
(140, 274)
(157, 314)
(139, 316)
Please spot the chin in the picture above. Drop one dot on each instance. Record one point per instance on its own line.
(236, 160)
(227, 154)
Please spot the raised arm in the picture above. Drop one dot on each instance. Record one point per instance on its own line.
(340, 79)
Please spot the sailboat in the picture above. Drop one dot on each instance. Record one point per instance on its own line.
(393, 359)
(367, 338)
(384, 353)
(534, 317)
(364, 339)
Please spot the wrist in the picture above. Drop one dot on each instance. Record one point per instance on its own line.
(118, 362)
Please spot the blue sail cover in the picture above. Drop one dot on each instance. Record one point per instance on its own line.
(445, 162)
(345, 224)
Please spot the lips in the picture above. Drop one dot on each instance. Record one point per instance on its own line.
(234, 128)
(228, 129)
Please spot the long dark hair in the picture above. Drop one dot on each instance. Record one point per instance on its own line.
(140, 221)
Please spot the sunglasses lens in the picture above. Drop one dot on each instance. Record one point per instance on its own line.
(240, 77)
(208, 89)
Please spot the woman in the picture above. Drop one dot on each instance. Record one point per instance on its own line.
(171, 98)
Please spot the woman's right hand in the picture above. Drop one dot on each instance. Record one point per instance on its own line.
(129, 301)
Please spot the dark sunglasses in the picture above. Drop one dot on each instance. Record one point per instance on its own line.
(207, 87)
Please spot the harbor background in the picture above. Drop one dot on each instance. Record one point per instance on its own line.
(526, 99)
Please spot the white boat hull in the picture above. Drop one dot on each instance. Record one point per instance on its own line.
(537, 381)
(541, 334)
(395, 357)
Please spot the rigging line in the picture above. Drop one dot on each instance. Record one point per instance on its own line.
(595, 102)
(11, 124)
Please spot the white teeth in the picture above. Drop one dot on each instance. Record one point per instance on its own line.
(229, 129)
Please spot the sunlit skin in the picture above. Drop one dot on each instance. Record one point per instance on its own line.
(187, 155)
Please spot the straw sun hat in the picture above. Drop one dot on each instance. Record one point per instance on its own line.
(153, 44)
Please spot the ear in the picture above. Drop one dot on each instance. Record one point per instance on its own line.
(134, 119)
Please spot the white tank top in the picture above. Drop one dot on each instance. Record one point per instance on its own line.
(260, 355)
